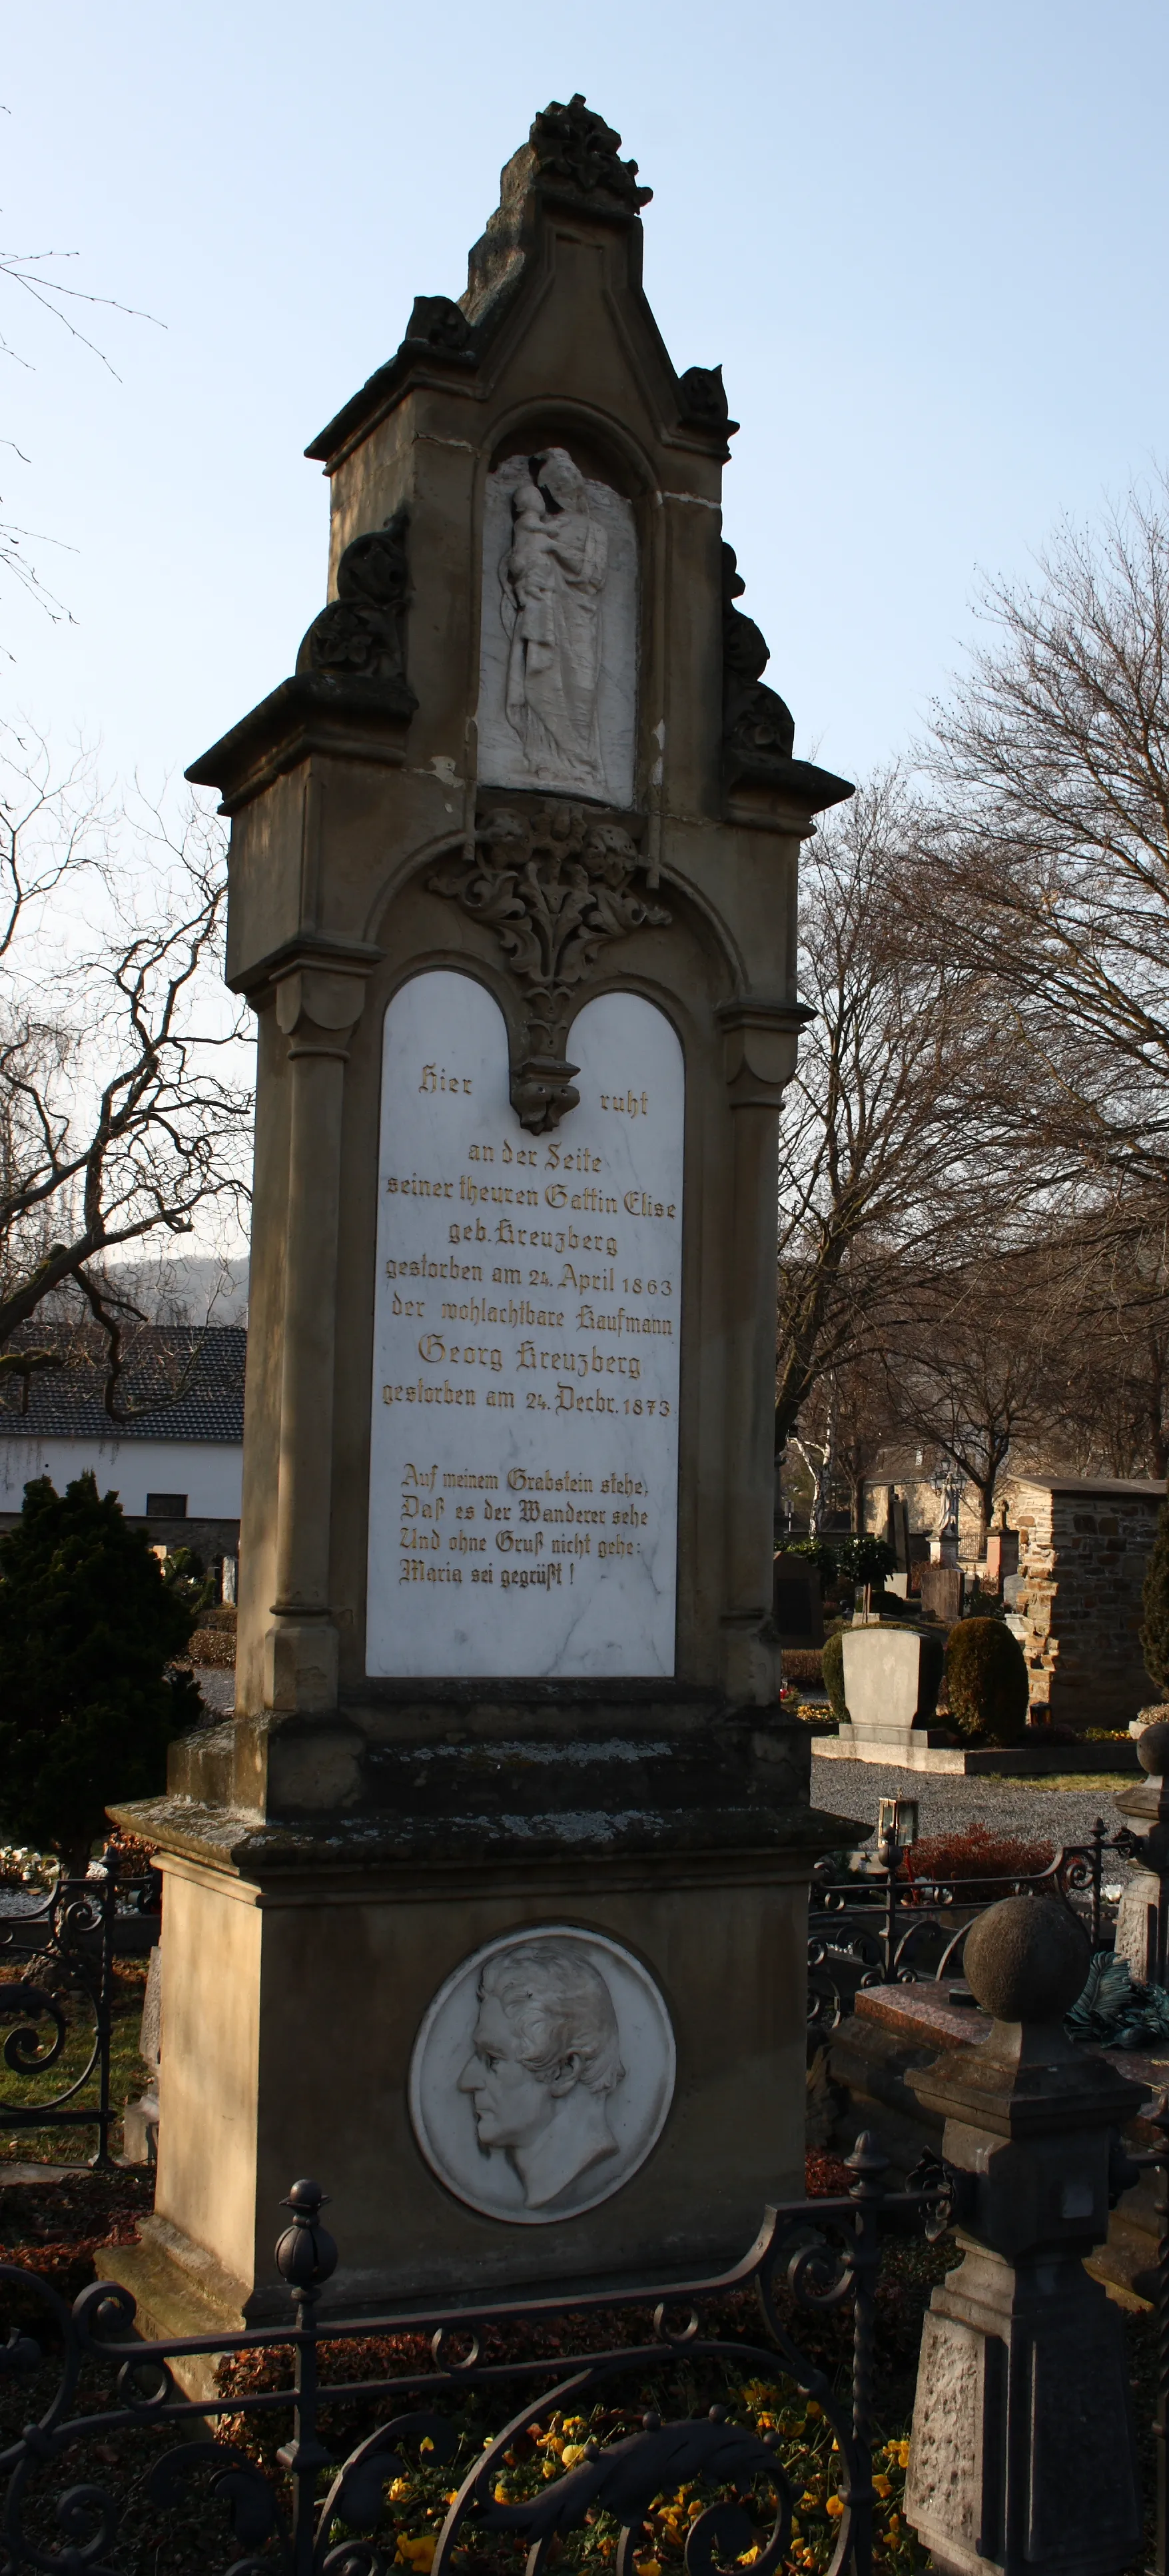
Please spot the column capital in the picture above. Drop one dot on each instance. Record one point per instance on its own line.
(320, 995)
(759, 1048)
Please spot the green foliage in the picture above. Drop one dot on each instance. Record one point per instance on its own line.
(866, 1560)
(1155, 1632)
(832, 1662)
(88, 1625)
(188, 1576)
(820, 1555)
(982, 1603)
(986, 1678)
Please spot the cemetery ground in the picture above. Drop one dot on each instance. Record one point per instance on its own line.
(152, 2538)
(55, 2224)
(1060, 1808)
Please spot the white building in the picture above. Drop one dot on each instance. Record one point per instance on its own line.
(172, 1452)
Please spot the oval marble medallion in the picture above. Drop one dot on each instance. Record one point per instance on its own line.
(542, 2074)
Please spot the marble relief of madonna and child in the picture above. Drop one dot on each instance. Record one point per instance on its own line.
(559, 631)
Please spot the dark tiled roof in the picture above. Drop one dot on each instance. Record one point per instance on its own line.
(161, 1359)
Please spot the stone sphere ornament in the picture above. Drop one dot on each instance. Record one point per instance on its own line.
(1153, 1748)
(542, 2074)
(1026, 1959)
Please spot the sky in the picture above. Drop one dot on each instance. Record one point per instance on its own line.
(926, 241)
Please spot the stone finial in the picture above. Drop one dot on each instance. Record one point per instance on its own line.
(573, 146)
(1148, 1803)
(1026, 1959)
(1153, 1748)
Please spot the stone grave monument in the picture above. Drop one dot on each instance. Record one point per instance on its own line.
(488, 1906)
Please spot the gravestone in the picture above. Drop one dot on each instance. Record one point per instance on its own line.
(488, 1905)
(799, 1606)
(942, 1591)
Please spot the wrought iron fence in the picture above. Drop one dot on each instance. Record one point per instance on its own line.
(57, 1984)
(317, 2515)
(884, 1927)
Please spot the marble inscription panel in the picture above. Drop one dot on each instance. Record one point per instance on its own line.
(542, 2074)
(558, 654)
(524, 1438)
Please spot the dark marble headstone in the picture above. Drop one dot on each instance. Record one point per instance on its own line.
(797, 1608)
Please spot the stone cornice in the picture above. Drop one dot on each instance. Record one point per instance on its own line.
(349, 719)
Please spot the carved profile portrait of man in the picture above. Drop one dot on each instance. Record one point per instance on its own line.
(552, 576)
(544, 2061)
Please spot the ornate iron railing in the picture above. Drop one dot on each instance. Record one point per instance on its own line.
(887, 1928)
(57, 1984)
(317, 2515)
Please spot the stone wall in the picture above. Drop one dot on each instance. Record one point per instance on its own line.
(1083, 1549)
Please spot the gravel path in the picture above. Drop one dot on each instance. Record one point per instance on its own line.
(218, 1689)
(1027, 1807)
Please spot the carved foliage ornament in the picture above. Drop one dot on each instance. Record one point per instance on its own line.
(361, 635)
(703, 402)
(758, 728)
(574, 145)
(554, 884)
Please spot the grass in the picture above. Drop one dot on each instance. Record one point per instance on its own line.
(76, 2141)
(1083, 1780)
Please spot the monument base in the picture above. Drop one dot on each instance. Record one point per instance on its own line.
(306, 1958)
(921, 1749)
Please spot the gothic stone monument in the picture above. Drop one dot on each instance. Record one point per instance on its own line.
(489, 1904)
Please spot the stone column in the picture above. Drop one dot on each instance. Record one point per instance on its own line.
(1141, 1924)
(1022, 2453)
(759, 1055)
(317, 1007)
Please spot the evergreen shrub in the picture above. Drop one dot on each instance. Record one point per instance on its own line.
(88, 1627)
(832, 1667)
(986, 1681)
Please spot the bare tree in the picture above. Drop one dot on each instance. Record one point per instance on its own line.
(1049, 869)
(33, 277)
(124, 1099)
(879, 1172)
(969, 1369)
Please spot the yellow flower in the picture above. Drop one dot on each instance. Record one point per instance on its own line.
(834, 2506)
(883, 2487)
(903, 2454)
(418, 2553)
(502, 2496)
(550, 2468)
(400, 2487)
(575, 2424)
(894, 2525)
(572, 2452)
(814, 2406)
(426, 2444)
(648, 2566)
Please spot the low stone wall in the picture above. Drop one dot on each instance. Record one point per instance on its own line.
(1083, 1549)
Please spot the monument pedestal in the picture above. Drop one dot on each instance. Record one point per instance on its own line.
(302, 1957)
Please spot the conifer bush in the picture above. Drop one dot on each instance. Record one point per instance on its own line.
(88, 1626)
(1155, 1632)
(986, 1681)
(832, 1667)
